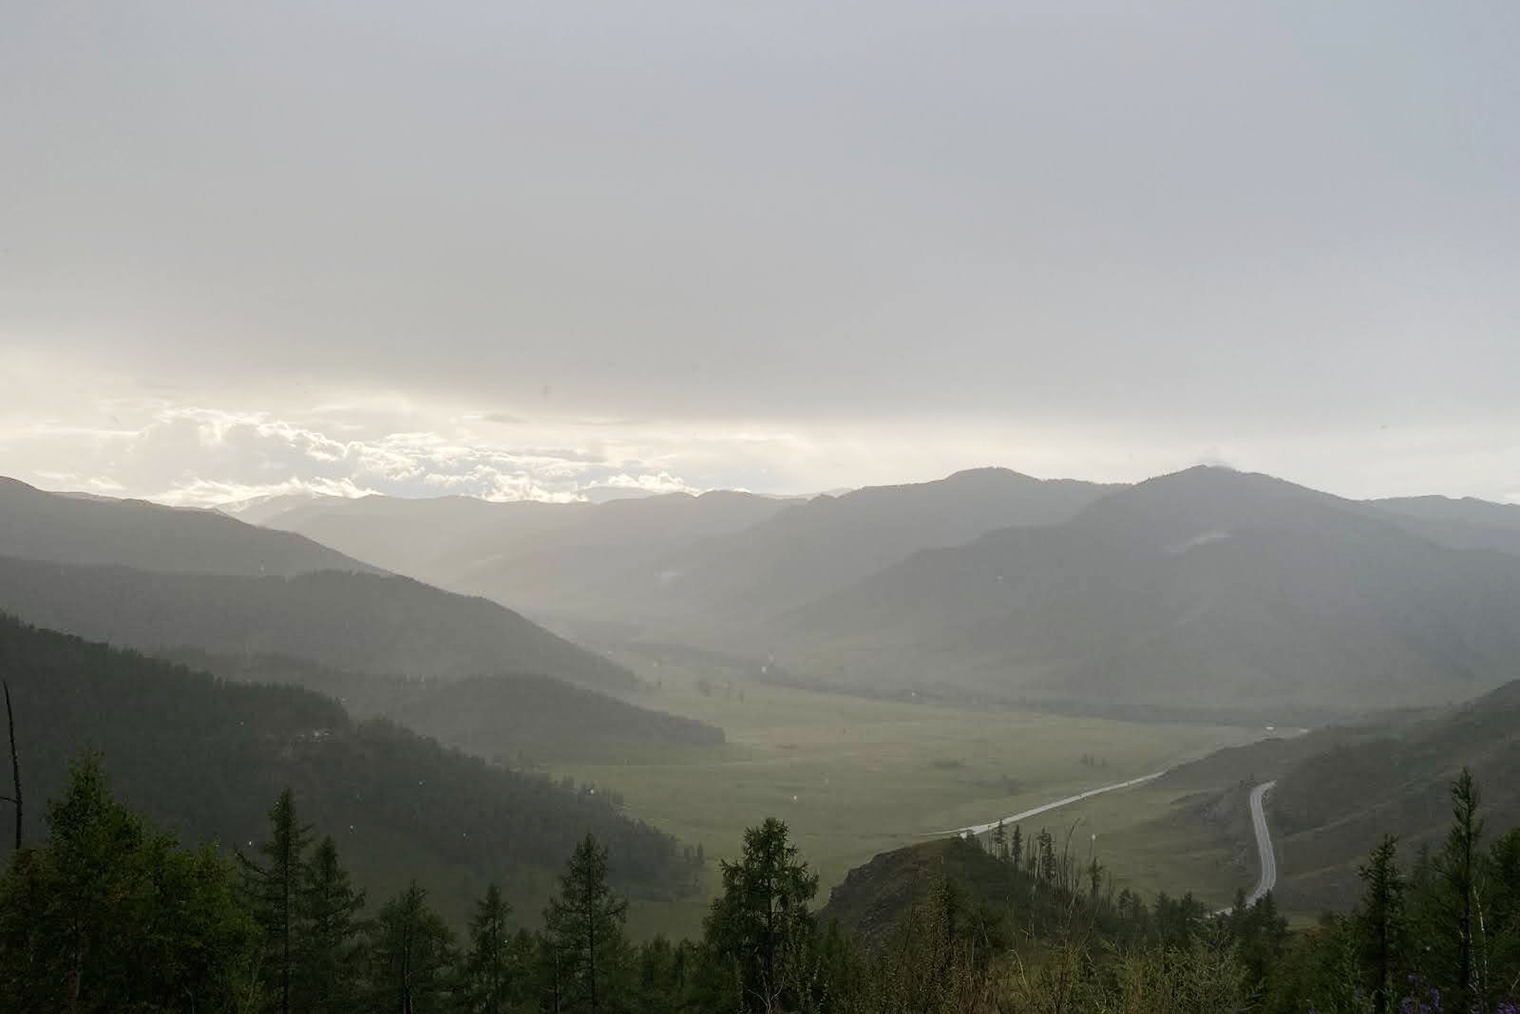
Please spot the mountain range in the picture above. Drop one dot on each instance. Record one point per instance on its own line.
(1205, 591)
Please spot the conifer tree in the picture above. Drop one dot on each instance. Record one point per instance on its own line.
(489, 974)
(274, 890)
(411, 952)
(1457, 875)
(1000, 841)
(761, 920)
(1380, 922)
(584, 930)
(326, 963)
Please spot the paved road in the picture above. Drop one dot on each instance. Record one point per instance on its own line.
(1263, 843)
(1012, 819)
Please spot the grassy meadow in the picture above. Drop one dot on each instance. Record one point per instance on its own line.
(854, 777)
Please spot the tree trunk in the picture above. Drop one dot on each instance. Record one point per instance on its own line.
(10, 722)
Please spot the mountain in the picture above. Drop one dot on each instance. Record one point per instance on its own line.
(693, 567)
(547, 559)
(508, 718)
(66, 528)
(367, 623)
(207, 757)
(1204, 592)
(409, 536)
(1461, 524)
(824, 544)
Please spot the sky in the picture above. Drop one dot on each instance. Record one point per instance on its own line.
(534, 249)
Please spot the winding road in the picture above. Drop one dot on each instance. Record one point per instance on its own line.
(1263, 843)
(1266, 856)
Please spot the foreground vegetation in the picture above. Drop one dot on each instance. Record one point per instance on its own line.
(112, 915)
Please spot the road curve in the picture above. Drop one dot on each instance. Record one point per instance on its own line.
(1036, 811)
(1263, 843)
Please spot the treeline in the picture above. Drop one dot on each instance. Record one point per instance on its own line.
(111, 915)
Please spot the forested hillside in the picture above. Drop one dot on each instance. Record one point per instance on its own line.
(203, 756)
(514, 718)
(356, 622)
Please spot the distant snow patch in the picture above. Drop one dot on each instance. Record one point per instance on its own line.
(1198, 540)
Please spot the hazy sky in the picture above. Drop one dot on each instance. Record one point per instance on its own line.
(522, 248)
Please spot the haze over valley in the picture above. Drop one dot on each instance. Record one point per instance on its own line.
(987, 508)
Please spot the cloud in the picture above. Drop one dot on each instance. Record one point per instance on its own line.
(198, 456)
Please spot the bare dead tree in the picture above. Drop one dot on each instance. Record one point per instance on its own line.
(10, 723)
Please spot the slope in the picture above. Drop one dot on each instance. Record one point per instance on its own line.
(134, 533)
(507, 718)
(819, 546)
(206, 757)
(1207, 591)
(1467, 523)
(1329, 809)
(544, 558)
(366, 623)
(1340, 788)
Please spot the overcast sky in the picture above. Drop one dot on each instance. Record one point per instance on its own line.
(520, 249)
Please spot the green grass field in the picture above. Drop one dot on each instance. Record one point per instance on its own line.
(855, 777)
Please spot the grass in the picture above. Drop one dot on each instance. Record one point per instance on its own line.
(854, 777)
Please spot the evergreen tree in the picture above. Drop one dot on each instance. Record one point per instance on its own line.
(326, 965)
(1380, 922)
(489, 984)
(411, 953)
(1452, 898)
(1000, 841)
(1047, 847)
(274, 890)
(1016, 846)
(1504, 914)
(761, 921)
(584, 930)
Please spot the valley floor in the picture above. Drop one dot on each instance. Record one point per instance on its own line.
(854, 777)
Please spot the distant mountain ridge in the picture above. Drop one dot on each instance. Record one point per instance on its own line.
(1467, 523)
(355, 622)
(824, 544)
(697, 565)
(1202, 591)
(92, 530)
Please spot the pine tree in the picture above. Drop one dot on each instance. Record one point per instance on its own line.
(274, 891)
(1000, 841)
(584, 928)
(1047, 848)
(1503, 867)
(325, 965)
(411, 951)
(1016, 846)
(761, 920)
(489, 974)
(1457, 872)
(1380, 921)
